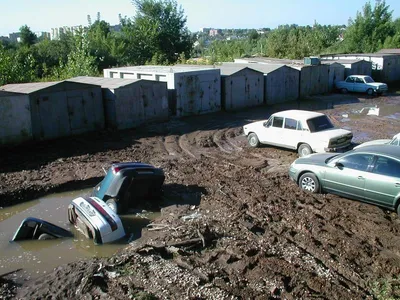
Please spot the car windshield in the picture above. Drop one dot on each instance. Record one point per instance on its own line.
(368, 79)
(319, 124)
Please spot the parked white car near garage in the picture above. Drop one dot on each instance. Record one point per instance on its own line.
(304, 131)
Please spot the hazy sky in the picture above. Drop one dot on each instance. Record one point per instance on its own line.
(42, 15)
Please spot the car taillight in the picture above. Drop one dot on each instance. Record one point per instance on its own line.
(116, 169)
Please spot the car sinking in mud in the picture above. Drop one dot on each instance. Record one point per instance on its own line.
(370, 174)
(38, 229)
(304, 131)
(95, 220)
(127, 184)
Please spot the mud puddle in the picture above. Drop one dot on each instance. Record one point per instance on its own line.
(36, 258)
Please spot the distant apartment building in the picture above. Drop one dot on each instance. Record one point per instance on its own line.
(215, 32)
(57, 32)
(42, 34)
(205, 30)
(15, 37)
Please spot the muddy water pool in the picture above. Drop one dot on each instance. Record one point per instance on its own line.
(36, 258)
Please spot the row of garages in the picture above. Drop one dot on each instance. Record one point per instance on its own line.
(130, 96)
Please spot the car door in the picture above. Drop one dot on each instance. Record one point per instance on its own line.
(359, 85)
(382, 186)
(273, 130)
(350, 84)
(347, 175)
(290, 134)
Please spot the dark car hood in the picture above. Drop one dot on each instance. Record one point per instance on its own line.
(315, 159)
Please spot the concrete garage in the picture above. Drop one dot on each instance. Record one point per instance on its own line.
(281, 82)
(192, 91)
(241, 87)
(336, 73)
(130, 102)
(61, 108)
(15, 118)
(355, 67)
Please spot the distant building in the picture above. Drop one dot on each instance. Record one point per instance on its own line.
(4, 38)
(15, 37)
(205, 30)
(42, 34)
(215, 32)
(116, 28)
(57, 32)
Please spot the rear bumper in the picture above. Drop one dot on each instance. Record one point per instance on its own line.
(340, 149)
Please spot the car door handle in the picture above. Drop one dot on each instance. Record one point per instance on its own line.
(360, 177)
(397, 184)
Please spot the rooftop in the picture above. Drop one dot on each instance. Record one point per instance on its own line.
(110, 83)
(389, 51)
(27, 88)
(263, 68)
(298, 114)
(342, 61)
(389, 150)
(162, 69)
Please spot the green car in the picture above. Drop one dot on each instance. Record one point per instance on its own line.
(370, 174)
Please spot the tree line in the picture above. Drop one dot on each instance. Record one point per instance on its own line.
(158, 34)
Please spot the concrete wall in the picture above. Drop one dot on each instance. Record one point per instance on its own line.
(242, 89)
(391, 69)
(336, 73)
(281, 85)
(15, 119)
(67, 109)
(197, 92)
(314, 80)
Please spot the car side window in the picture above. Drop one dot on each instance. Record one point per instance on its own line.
(387, 166)
(277, 122)
(350, 79)
(290, 123)
(394, 142)
(358, 162)
(300, 126)
(358, 80)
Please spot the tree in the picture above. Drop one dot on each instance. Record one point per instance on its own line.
(369, 30)
(158, 32)
(28, 38)
(15, 68)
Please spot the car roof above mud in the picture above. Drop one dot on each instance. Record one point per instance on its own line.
(389, 150)
(298, 114)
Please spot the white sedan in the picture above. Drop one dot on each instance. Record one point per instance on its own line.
(361, 84)
(304, 131)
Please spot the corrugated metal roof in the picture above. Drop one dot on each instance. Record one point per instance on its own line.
(389, 51)
(263, 68)
(109, 83)
(272, 60)
(27, 88)
(360, 54)
(163, 69)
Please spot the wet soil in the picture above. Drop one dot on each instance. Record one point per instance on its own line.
(232, 226)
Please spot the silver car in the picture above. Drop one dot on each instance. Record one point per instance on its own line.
(370, 174)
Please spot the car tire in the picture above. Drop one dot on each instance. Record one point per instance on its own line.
(344, 91)
(398, 210)
(309, 182)
(370, 92)
(114, 205)
(45, 236)
(253, 140)
(304, 150)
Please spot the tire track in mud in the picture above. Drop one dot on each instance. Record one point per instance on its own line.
(219, 139)
(171, 144)
(184, 144)
(230, 136)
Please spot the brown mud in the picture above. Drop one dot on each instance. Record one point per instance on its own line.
(233, 226)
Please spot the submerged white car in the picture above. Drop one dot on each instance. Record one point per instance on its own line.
(304, 131)
(395, 141)
(95, 220)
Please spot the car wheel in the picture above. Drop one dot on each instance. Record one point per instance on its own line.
(370, 92)
(398, 210)
(304, 150)
(45, 236)
(113, 204)
(344, 91)
(253, 140)
(309, 182)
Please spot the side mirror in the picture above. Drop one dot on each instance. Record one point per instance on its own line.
(338, 165)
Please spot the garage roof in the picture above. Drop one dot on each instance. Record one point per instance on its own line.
(27, 88)
(110, 83)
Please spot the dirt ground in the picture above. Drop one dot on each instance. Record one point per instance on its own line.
(234, 226)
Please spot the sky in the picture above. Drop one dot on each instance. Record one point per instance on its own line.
(42, 15)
